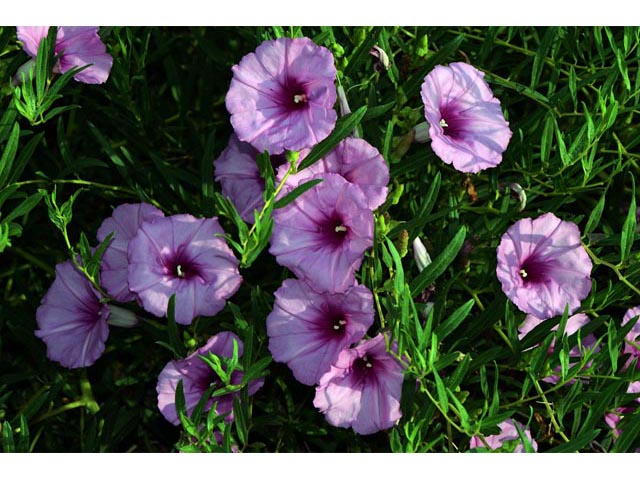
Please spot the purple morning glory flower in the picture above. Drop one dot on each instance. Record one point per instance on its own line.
(237, 171)
(124, 223)
(357, 161)
(543, 267)
(308, 330)
(185, 256)
(362, 390)
(508, 433)
(197, 376)
(72, 321)
(467, 126)
(323, 234)
(77, 47)
(281, 97)
(631, 338)
(574, 323)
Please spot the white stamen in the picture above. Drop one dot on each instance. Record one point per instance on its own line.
(299, 98)
(367, 363)
(443, 123)
(179, 270)
(340, 324)
(523, 273)
(341, 228)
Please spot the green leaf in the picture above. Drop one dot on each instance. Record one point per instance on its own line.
(6, 161)
(577, 443)
(25, 207)
(399, 271)
(8, 445)
(629, 227)
(296, 192)
(439, 264)
(595, 215)
(441, 391)
(455, 319)
(241, 420)
(343, 129)
(378, 111)
(25, 155)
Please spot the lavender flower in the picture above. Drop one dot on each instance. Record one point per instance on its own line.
(362, 390)
(237, 171)
(354, 159)
(574, 323)
(77, 47)
(72, 321)
(323, 234)
(197, 376)
(508, 434)
(308, 330)
(467, 126)
(187, 256)
(124, 223)
(631, 338)
(281, 97)
(543, 267)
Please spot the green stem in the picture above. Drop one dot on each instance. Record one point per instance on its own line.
(86, 183)
(442, 412)
(548, 408)
(613, 267)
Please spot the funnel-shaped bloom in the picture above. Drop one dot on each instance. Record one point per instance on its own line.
(124, 223)
(508, 435)
(308, 330)
(71, 319)
(197, 376)
(185, 256)
(466, 124)
(281, 97)
(357, 161)
(237, 171)
(362, 390)
(77, 47)
(543, 267)
(323, 234)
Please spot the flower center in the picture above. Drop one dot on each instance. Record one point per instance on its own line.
(533, 271)
(363, 366)
(181, 267)
(300, 98)
(339, 325)
(450, 121)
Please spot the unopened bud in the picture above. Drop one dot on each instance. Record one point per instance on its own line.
(420, 254)
(121, 317)
(520, 193)
(382, 58)
(421, 133)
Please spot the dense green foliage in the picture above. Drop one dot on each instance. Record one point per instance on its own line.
(71, 152)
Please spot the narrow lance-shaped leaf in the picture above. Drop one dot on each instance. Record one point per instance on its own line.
(343, 129)
(629, 227)
(439, 264)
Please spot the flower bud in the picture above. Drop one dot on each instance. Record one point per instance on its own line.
(420, 254)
